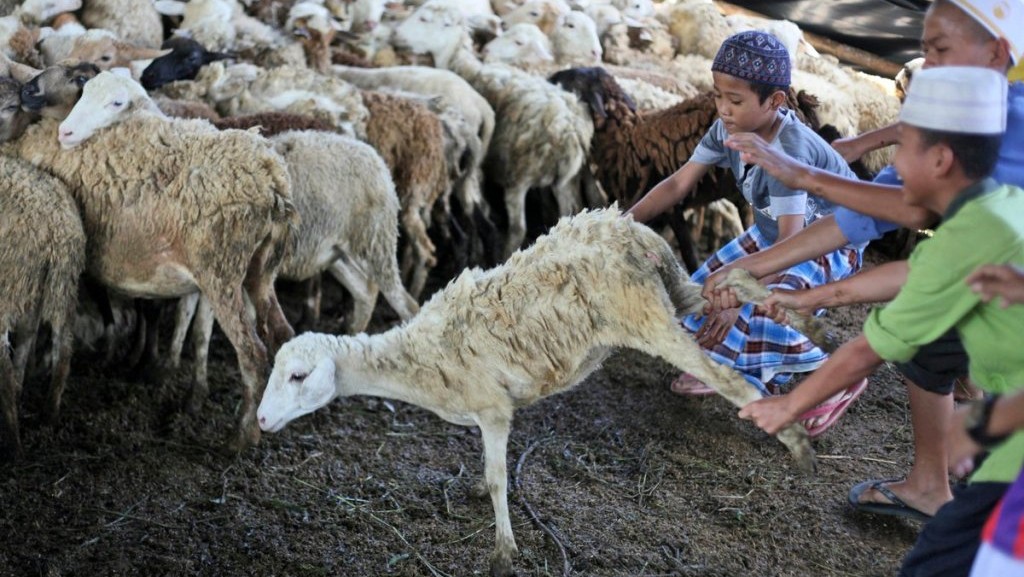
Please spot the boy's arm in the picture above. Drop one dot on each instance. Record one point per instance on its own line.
(820, 237)
(854, 147)
(668, 192)
(876, 200)
(881, 283)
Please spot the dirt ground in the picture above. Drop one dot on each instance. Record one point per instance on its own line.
(616, 477)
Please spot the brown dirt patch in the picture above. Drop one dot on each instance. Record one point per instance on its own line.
(631, 479)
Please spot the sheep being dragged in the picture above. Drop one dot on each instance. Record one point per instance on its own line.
(496, 340)
(172, 206)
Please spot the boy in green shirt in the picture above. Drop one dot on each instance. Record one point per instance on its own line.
(949, 137)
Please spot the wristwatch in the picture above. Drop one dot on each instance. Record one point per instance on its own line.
(977, 420)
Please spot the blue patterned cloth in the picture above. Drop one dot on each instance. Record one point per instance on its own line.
(765, 352)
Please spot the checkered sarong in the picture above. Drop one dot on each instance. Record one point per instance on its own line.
(766, 352)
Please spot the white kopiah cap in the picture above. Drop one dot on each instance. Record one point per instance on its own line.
(1003, 18)
(962, 99)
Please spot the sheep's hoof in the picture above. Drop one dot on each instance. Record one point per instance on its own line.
(195, 400)
(501, 564)
(479, 490)
(242, 440)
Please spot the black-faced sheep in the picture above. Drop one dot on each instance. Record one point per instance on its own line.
(496, 340)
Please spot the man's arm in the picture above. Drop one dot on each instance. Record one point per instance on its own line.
(876, 200)
(854, 147)
(853, 361)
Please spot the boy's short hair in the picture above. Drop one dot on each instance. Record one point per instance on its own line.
(757, 57)
(976, 153)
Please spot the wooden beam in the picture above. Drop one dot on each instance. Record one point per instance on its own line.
(844, 52)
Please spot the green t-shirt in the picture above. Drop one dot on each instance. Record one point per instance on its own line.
(985, 224)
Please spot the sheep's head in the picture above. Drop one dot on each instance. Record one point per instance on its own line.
(575, 40)
(303, 380)
(55, 90)
(434, 29)
(105, 101)
(13, 119)
(520, 44)
(183, 62)
(541, 13)
(596, 87)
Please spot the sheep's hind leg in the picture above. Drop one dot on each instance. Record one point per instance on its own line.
(9, 388)
(679, 348)
(230, 311)
(494, 429)
(364, 292)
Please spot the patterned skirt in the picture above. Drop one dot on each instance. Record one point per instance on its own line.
(765, 352)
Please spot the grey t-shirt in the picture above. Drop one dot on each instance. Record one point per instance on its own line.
(769, 197)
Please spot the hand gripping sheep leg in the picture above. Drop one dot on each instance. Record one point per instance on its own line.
(496, 340)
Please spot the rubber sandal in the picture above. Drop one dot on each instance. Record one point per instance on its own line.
(832, 411)
(896, 507)
(695, 388)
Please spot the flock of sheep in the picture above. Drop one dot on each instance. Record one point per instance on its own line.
(125, 173)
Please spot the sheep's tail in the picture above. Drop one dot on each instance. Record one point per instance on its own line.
(684, 293)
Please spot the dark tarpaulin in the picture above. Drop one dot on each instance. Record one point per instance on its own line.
(890, 29)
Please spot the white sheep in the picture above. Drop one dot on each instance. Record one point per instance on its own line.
(349, 227)
(522, 44)
(470, 138)
(97, 46)
(171, 206)
(42, 254)
(542, 133)
(246, 88)
(544, 14)
(496, 340)
(135, 21)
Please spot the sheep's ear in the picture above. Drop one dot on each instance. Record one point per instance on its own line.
(22, 73)
(318, 388)
(170, 7)
(133, 52)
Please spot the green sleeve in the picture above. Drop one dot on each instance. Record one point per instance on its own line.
(936, 297)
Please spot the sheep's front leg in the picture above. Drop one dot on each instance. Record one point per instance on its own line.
(495, 430)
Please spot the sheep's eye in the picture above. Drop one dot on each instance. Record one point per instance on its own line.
(80, 81)
(519, 43)
(105, 58)
(117, 104)
(571, 25)
(534, 13)
(298, 377)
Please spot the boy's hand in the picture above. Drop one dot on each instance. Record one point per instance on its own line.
(753, 149)
(1005, 280)
(719, 299)
(781, 299)
(716, 327)
(771, 414)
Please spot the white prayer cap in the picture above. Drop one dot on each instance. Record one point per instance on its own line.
(1003, 18)
(963, 99)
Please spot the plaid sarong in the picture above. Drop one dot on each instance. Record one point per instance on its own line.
(766, 352)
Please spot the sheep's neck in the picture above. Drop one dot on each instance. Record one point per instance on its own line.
(461, 61)
(370, 366)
